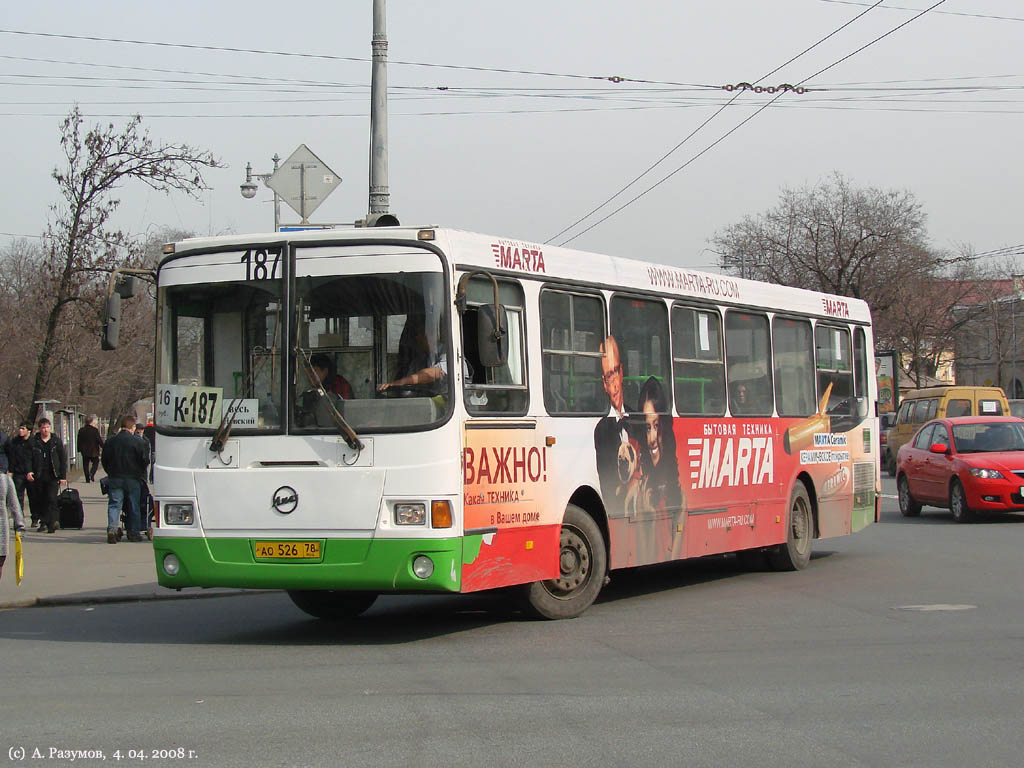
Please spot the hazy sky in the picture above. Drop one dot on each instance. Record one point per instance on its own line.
(934, 108)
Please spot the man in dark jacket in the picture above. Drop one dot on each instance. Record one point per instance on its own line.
(19, 457)
(49, 471)
(89, 444)
(124, 461)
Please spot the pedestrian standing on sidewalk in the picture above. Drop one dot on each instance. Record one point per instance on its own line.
(4, 443)
(90, 442)
(49, 472)
(8, 505)
(124, 461)
(19, 456)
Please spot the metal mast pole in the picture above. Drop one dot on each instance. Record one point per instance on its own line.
(379, 194)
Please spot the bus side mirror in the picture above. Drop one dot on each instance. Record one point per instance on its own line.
(126, 286)
(492, 335)
(111, 322)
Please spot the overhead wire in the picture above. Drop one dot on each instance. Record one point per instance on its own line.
(746, 120)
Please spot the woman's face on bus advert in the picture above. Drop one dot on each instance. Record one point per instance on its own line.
(653, 423)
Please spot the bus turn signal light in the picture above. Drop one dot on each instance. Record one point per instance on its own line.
(440, 514)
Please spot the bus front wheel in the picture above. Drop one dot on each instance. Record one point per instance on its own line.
(332, 605)
(795, 553)
(582, 564)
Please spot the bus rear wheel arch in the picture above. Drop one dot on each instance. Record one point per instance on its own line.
(330, 604)
(582, 564)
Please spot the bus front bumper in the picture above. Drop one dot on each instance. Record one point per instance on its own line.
(378, 565)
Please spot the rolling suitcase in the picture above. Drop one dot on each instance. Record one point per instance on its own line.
(69, 509)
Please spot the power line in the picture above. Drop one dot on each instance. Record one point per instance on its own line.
(746, 120)
(698, 128)
(944, 13)
(330, 57)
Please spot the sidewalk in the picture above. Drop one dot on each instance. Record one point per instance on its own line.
(70, 567)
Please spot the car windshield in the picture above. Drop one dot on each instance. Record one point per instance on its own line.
(988, 437)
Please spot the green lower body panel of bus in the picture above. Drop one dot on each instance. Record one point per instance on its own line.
(378, 565)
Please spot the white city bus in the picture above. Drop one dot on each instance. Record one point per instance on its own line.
(348, 413)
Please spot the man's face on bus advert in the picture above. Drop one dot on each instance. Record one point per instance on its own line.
(612, 372)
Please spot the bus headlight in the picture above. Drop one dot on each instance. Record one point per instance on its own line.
(411, 513)
(171, 565)
(179, 513)
(422, 566)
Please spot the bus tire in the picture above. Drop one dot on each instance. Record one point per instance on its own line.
(583, 562)
(330, 604)
(795, 554)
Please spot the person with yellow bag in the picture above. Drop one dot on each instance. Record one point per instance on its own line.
(9, 506)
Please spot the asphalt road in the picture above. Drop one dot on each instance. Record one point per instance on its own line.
(696, 664)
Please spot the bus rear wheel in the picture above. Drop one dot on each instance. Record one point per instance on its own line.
(582, 563)
(795, 554)
(330, 604)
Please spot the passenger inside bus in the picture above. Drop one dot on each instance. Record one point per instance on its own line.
(337, 384)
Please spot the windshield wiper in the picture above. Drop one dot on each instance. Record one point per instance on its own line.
(347, 433)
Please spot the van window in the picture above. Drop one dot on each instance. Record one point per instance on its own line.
(933, 406)
(904, 415)
(990, 408)
(961, 406)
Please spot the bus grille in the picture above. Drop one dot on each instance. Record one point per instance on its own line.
(863, 477)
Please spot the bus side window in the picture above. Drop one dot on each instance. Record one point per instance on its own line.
(748, 358)
(835, 367)
(794, 366)
(698, 365)
(640, 328)
(572, 329)
(500, 389)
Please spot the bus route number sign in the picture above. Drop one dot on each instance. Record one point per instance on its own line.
(186, 406)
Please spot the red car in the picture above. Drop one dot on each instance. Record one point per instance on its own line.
(968, 464)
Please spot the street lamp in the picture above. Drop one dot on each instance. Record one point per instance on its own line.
(249, 188)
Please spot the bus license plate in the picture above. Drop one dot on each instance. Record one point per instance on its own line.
(287, 550)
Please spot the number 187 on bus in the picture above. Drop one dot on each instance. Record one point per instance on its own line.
(187, 406)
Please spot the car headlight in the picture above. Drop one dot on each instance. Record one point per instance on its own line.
(985, 474)
(179, 513)
(407, 513)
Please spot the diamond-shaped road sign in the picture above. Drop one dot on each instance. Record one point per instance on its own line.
(303, 181)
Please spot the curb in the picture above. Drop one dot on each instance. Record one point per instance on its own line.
(49, 602)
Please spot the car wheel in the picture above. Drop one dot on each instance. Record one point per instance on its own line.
(795, 554)
(908, 506)
(958, 503)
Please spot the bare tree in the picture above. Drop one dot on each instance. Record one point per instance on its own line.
(79, 250)
(835, 238)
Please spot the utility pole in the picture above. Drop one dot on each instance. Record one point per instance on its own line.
(380, 196)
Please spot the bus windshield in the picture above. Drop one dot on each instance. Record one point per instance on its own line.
(220, 347)
(371, 331)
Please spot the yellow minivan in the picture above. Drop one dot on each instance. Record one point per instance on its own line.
(921, 405)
